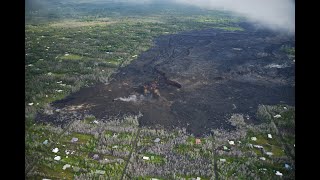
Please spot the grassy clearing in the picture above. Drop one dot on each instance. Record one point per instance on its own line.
(231, 28)
(231, 159)
(109, 133)
(121, 147)
(262, 139)
(146, 140)
(71, 57)
(289, 50)
(270, 145)
(287, 120)
(113, 62)
(76, 24)
(53, 169)
(82, 138)
(289, 139)
(125, 135)
(149, 140)
(192, 151)
(276, 150)
(89, 119)
(155, 158)
(190, 177)
(148, 178)
(73, 160)
(183, 148)
(37, 134)
(120, 135)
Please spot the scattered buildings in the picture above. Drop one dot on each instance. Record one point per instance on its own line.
(96, 122)
(157, 140)
(279, 173)
(231, 142)
(277, 116)
(100, 172)
(269, 153)
(258, 146)
(74, 139)
(262, 158)
(66, 166)
(287, 166)
(96, 156)
(55, 150)
(57, 158)
(45, 142)
(146, 158)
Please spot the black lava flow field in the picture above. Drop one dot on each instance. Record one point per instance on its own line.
(193, 79)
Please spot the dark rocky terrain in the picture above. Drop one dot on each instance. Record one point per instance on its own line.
(193, 79)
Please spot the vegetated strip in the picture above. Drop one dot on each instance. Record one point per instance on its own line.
(282, 140)
(133, 149)
(215, 166)
(280, 135)
(50, 147)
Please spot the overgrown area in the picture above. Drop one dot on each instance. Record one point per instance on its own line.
(119, 148)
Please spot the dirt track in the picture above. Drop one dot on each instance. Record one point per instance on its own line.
(195, 80)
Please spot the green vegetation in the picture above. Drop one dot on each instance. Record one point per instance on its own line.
(124, 135)
(231, 28)
(288, 49)
(82, 138)
(89, 119)
(109, 153)
(148, 178)
(183, 148)
(71, 57)
(287, 120)
(53, 169)
(190, 177)
(154, 158)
